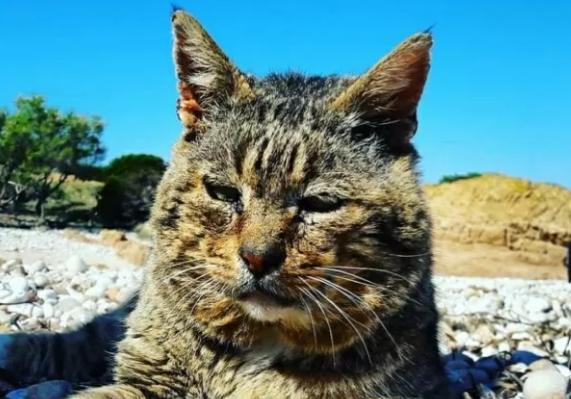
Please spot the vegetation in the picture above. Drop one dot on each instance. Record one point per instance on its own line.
(453, 178)
(51, 172)
(129, 189)
(41, 147)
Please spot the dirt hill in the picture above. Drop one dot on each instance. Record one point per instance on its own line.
(507, 220)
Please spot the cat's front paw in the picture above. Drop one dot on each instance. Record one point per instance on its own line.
(110, 392)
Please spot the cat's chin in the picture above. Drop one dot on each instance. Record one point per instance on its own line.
(267, 310)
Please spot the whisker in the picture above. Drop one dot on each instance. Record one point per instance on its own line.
(400, 276)
(365, 282)
(303, 301)
(316, 301)
(348, 318)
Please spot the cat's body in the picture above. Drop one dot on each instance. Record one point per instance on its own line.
(292, 252)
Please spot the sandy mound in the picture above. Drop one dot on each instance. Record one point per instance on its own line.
(531, 220)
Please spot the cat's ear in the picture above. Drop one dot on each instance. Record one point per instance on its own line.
(390, 91)
(206, 77)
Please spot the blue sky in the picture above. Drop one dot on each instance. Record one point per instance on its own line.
(498, 98)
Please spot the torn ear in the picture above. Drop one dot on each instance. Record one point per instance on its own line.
(206, 77)
(390, 91)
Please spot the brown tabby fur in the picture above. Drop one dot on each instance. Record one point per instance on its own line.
(356, 317)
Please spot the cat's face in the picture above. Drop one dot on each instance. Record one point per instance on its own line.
(291, 204)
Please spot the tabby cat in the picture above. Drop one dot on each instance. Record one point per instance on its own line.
(292, 253)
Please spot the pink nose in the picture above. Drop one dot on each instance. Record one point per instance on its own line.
(262, 260)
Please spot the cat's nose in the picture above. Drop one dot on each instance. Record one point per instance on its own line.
(261, 261)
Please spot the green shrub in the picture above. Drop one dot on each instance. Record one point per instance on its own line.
(453, 178)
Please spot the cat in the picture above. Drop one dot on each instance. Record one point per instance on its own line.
(292, 243)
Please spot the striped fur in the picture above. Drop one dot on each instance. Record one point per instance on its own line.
(311, 181)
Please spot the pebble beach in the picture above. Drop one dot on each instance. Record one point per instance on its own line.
(49, 282)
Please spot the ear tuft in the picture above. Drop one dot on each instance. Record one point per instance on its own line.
(206, 77)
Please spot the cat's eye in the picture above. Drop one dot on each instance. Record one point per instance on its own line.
(320, 203)
(222, 193)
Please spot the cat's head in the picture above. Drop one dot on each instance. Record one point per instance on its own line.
(291, 203)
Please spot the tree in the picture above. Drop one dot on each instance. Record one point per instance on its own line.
(129, 189)
(41, 147)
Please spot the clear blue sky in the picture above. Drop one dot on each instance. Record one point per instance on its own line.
(498, 97)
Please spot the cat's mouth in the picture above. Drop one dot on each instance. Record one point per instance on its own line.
(262, 297)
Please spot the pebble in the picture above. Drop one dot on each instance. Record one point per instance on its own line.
(482, 317)
(76, 265)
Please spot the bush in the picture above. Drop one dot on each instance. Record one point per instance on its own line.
(127, 196)
(453, 178)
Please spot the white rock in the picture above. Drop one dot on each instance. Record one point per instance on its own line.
(484, 334)
(35, 267)
(18, 284)
(504, 347)
(489, 351)
(24, 309)
(41, 280)
(97, 292)
(562, 346)
(67, 304)
(517, 327)
(545, 384)
(522, 336)
(537, 305)
(76, 265)
(48, 310)
(80, 314)
(37, 312)
(48, 295)
(90, 305)
(565, 372)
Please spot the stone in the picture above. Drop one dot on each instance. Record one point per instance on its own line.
(41, 280)
(562, 345)
(24, 309)
(545, 384)
(537, 305)
(489, 351)
(67, 304)
(90, 305)
(97, 291)
(36, 267)
(76, 265)
(48, 295)
(18, 284)
(484, 334)
(49, 310)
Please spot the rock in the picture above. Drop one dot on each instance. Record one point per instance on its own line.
(124, 294)
(41, 280)
(37, 312)
(545, 384)
(90, 305)
(504, 347)
(78, 314)
(484, 334)
(48, 295)
(76, 265)
(49, 310)
(24, 309)
(489, 351)
(36, 267)
(537, 305)
(12, 265)
(97, 291)
(68, 304)
(112, 293)
(18, 285)
(517, 327)
(562, 345)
